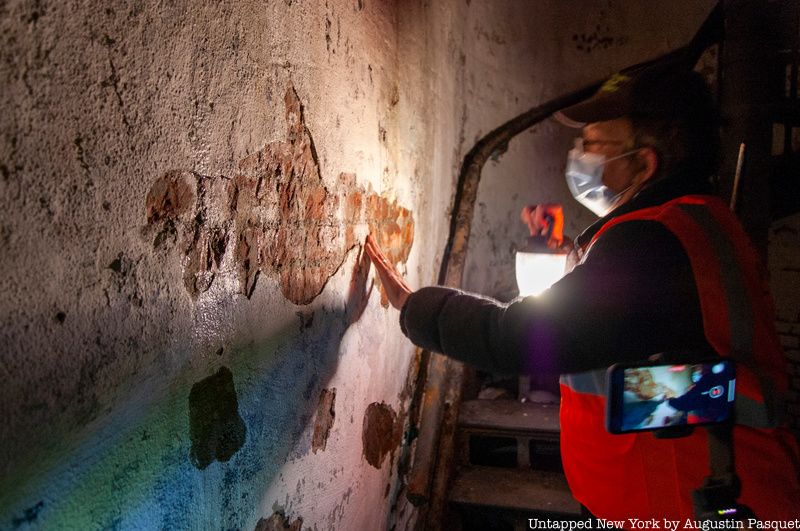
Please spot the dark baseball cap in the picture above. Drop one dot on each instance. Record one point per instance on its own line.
(654, 92)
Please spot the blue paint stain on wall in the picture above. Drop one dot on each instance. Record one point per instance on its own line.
(132, 470)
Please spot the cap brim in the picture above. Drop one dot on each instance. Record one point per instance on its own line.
(646, 89)
(599, 108)
(562, 118)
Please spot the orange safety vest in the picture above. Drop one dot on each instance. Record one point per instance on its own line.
(639, 476)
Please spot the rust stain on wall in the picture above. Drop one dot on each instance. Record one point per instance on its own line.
(381, 433)
(325, 417)
(276, 217)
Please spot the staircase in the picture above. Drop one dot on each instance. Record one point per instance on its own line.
(509, 467)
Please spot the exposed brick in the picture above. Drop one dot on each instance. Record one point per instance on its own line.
(170, 196)
(279, 217)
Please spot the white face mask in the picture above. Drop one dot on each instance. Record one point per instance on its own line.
(585, 179)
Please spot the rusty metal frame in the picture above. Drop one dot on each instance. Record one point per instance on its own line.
(438, 411)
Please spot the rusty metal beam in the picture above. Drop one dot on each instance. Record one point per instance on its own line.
(429, 474)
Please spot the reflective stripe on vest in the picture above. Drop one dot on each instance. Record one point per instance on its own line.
(749, 412)
(588, 382)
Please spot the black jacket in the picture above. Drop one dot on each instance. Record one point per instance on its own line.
(632, 296)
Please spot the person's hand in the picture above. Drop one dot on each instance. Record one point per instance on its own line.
(546, 219)
(396, 288)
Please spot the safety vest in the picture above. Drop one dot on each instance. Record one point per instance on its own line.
(639, 476)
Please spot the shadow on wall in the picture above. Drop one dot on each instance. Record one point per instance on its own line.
(200, 453)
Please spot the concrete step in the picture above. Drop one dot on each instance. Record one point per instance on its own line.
(510, 418)
(514, 489)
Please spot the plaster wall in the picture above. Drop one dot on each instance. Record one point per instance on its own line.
(189, 337)
(188, 341)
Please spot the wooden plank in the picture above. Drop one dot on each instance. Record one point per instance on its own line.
(509, 416)
(514, 488)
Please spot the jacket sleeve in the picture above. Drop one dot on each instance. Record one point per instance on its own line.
(633, 296)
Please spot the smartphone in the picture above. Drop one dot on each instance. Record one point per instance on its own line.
(653, 396)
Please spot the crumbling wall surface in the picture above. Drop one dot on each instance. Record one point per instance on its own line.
(191, 337)
(513, 63)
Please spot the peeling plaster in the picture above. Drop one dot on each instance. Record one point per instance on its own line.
(381, 433)
(276, 216)
(326, 414)
(279, 522)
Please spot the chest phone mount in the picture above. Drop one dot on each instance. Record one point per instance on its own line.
(716, 499)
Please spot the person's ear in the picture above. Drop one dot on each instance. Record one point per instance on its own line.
(648, 161)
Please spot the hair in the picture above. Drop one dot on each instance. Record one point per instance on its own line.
(679, 120)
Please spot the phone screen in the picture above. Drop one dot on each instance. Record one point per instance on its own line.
(651, 397)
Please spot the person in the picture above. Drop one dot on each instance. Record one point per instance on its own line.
(666, 268)
(706, 399)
